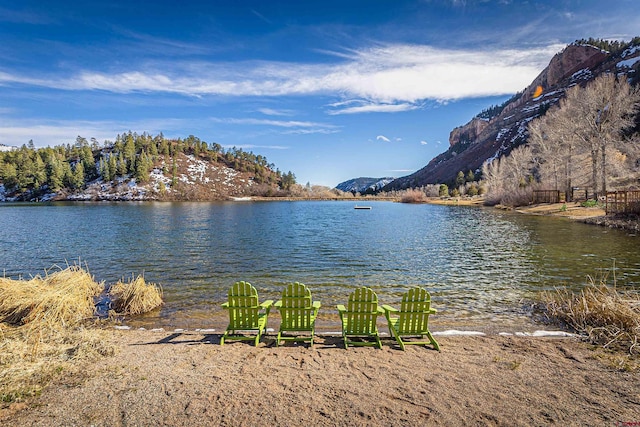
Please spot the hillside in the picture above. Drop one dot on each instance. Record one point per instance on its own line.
(496, 131)
(137, 167)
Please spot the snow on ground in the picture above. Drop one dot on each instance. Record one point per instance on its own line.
(583, 74)
(628, 62)
(630, 51)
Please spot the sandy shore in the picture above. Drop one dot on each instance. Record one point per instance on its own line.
(187, 379)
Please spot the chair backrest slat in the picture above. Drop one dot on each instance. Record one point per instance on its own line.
(297, 311)
(243, 305)
(414, 311)
(362, 312)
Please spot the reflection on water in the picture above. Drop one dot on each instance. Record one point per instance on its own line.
(478, 263)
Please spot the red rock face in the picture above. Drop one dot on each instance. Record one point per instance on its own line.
(572, 59)
(469, 132)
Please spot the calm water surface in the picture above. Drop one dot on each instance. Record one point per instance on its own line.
(479, 264)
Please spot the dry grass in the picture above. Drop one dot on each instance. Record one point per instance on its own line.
(43, 329)
(46, 326)
(135, 296)
(606, 315)
(62, 299)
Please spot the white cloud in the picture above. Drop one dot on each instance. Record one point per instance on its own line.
(392, 77)
(367, 107)
(423, 142)
(293, 127)
(52, 132)
(382, 138)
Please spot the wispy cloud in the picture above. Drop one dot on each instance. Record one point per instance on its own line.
(391, 78)
(56, 132)
(261, 17)
(423, 143)
(273, 112)
(254, 147)
(23, 17)
(382, 138)
(293, 127)
(370, 107)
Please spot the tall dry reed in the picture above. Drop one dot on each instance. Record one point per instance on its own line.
(605, 314)
(135, 297)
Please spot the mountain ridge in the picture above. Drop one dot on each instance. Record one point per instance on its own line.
(483, 139)
(364, 185)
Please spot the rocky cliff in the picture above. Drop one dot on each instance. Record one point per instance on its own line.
(485, 139)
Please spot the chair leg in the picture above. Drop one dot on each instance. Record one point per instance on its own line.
(433, 341)
(401, 343)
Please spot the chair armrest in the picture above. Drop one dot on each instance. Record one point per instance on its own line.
(225, 305)
(380, 310)
(341, 308)
(278, 304)
(267, 304)
(388, 308)
(316, 304)
(432, 310)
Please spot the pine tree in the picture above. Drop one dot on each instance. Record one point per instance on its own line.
(122, 165)
(78, 176)
(130, 153)
(142, 168)
(113, 166)
(55, 172)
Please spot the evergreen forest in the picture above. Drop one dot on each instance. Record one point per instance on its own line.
(29, 172)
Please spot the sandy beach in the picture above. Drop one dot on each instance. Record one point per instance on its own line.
(188, 379)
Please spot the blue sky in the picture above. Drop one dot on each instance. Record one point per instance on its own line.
(330, 90)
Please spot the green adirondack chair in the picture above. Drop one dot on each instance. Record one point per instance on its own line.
(412, 319)
(359, 318)
(245, 314)
(298, 313)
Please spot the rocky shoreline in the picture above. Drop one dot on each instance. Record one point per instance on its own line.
(629, 222)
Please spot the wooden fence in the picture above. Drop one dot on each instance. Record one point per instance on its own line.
(623, 202)
(548, 196)
(577, 194)
(581, 194)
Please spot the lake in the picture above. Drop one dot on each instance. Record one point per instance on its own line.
(481, 265)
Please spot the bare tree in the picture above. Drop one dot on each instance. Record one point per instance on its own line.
(547, 150)
(599, 114)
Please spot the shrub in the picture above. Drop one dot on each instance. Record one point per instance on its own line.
(589, 203)
(413, 196)
(443, 191)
